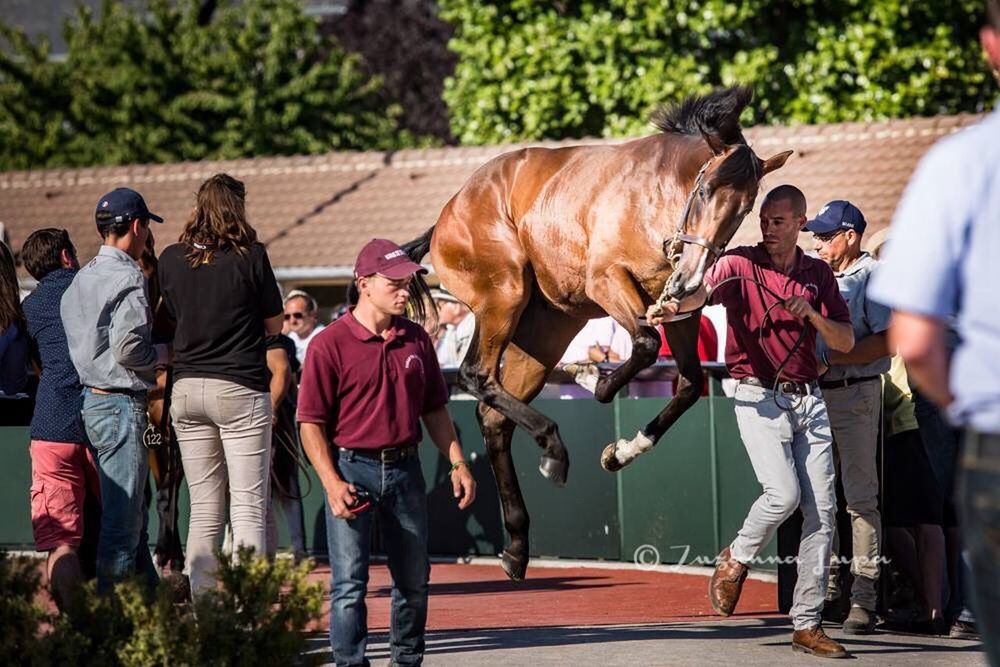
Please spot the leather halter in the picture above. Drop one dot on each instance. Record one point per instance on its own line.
(674, 246)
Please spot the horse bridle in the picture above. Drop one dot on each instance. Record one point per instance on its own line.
(674, 246)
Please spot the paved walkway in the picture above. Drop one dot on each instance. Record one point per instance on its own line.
(588, 616)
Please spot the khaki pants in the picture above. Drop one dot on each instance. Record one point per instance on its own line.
(790, 450)
(224, 433)
(854, 417)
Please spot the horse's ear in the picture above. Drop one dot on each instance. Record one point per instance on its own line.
(776, 161)
(714, 142)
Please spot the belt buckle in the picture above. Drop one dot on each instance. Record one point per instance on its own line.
(390, 455)
(791, 387)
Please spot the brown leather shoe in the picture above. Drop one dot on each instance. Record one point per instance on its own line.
(815, 642)
(727, 583)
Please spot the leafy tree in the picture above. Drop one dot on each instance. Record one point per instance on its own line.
(529, 69)
(178, 82)
(406, 44)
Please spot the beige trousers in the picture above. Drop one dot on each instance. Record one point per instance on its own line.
(854, 417)
(224, 433)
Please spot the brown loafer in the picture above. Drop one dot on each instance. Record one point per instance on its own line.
(727, 583)
(815, 642)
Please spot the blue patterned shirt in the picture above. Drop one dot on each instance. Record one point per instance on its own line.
(59, 401)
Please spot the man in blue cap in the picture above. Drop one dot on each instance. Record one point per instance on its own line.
(106, 313)
(852, 388)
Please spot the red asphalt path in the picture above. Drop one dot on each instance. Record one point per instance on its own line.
(465, 597)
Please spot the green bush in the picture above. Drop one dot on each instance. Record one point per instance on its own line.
(19, 615)
(256, 617)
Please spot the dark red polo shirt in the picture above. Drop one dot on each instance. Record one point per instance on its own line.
(368, 390)
(749, 353)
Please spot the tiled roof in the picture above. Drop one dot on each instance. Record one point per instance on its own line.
(315, 212)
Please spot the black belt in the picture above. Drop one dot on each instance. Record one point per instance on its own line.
(117, 392)
(846, 382)
(785, 386)
(385, 455)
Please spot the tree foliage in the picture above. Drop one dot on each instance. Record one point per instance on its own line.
(156, 85)
(530, 69)
(405, 43)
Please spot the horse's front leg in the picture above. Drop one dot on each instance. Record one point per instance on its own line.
(683, 339)
(616, 293)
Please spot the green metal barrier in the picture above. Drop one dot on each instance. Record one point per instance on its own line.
(686, 498)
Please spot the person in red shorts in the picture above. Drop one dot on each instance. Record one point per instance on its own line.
(370, 378)
(64, 476)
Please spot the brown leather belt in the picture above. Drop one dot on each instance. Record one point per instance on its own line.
(785, 386)
(385, 454)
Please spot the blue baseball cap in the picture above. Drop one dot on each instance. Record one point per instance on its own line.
(123, 205)
(835, 216)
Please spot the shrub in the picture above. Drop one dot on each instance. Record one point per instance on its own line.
(256, 617)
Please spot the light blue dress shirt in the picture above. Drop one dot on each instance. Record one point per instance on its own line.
(867, 318)
(943, 261)
(107, 318)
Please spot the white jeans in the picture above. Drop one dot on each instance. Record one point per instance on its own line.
(791, 451)
(224, 433)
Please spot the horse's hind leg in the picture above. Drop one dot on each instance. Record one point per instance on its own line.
(524, 373)
(498, 314)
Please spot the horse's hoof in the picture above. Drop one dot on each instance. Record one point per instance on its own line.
(554, 470)
(513, 566)
(609, 458)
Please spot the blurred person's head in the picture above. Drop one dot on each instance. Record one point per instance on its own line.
(339, 311)
(219, 221)
(123, 219)
(450, 310)
(300, 313)
(989, 36)
(10, 292)
(48, 250)
(878, 242)
(837, 230)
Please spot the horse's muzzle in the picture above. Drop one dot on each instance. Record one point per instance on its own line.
(681, 284)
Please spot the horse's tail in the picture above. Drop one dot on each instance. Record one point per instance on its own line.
(421, 305)
(420, 246)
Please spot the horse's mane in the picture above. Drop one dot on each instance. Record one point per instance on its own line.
(717, 113)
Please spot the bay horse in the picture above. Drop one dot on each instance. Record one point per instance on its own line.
(540, 240)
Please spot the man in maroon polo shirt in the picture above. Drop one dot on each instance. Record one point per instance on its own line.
(368, 381)
(780, 412)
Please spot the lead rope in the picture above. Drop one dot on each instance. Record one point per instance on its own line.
(792, 404)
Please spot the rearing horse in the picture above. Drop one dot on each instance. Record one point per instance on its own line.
(540, 240)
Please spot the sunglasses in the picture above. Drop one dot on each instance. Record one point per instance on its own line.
(826, 238)
(295, 316)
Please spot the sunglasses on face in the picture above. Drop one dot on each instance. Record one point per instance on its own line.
(826, 238)
(294, 316)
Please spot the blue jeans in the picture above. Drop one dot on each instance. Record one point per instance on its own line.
(115, 424)
(399, 497)
(979, 502)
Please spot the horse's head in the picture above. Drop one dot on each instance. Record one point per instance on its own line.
(722, 195)
(724, 190)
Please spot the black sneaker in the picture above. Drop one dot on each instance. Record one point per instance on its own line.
(964, 630)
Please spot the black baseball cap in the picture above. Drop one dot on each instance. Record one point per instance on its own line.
(835, 216)
(123, 205)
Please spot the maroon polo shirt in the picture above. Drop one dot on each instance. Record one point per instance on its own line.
(747, 352)
(370, 391)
